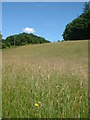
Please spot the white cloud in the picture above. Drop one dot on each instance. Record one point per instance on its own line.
(28, 30)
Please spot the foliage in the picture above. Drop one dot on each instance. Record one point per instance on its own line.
(86, 7)
(0, 40)
(0, 37)
(22, 39)
(79, 28)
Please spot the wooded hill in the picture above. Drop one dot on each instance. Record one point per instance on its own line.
(23, 39)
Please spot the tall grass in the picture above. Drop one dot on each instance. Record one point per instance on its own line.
(54, 76)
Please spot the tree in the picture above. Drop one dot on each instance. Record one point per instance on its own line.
(79, 28)
(87, 7)
(0, 36)
(0, 40)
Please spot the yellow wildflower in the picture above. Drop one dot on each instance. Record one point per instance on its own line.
(36, 105)
(39, 102)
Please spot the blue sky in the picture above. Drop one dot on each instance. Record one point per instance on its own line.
(46, 19)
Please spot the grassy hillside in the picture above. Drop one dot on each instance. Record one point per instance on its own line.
(53, 75)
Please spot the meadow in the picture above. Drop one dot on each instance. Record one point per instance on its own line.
(45, 81)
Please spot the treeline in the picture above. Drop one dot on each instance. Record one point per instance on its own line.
(79, 28)
(22, 39)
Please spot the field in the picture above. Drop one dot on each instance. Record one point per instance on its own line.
(45, 81)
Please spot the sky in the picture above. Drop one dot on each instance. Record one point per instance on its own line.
(46, 19)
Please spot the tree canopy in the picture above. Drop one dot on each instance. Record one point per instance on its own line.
(23, 39)
(79, 28)
(0, 37)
